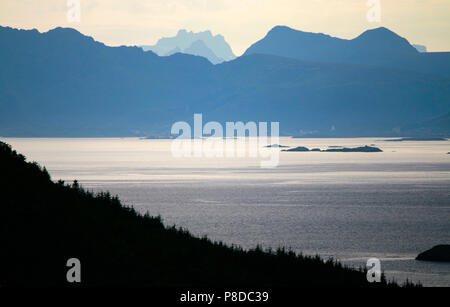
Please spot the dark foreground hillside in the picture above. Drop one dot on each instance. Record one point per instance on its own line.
(43, 224)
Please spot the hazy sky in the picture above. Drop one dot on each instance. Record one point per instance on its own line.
(242, 22)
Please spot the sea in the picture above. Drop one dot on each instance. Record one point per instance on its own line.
(349, 206)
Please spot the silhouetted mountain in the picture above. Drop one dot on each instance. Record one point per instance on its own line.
(372, 45)
(214, 48)
(199, 48)
(44, 224)
(173, 51)
(318, 99)
(380, 47)
(62, 83)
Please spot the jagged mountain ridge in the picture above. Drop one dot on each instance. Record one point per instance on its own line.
(212, 47)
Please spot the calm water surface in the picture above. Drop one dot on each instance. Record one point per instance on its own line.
(350, 206)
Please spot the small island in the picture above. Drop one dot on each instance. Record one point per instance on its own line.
(439, 253)
(300, 148)
(343, 149)
(356, 149)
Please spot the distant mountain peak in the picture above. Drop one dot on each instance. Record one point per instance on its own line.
(186, 32)
(383, 40)
(199, 48)
(380, 32)
(64, 30)
(371, 47)
(68, 35)
(215, 48)
(285, 29)
(281, 28)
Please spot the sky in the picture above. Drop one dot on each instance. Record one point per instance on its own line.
(242, 22)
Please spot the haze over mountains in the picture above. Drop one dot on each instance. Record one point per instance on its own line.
(62, 83)
(204, 44)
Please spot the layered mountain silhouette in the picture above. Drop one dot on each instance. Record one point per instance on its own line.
(199, 48)
(379, 47)
(62, 83)
(212, 47)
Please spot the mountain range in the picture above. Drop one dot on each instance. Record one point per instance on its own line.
(63, 83)
(212, 47)
(376, 47)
